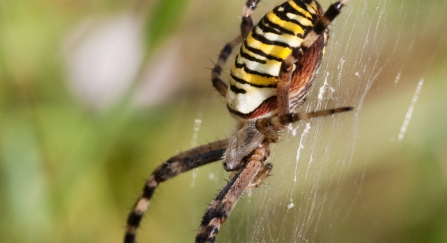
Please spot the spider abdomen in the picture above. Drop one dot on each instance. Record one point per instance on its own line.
(254, 75)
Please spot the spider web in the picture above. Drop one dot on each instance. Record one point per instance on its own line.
(376, 173)
(329, 173)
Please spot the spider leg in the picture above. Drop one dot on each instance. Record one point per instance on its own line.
(271, 126)
(331, 13)
(174, 166)
(260, 176)
(247, 21)
(223, 204)
(283, 120)
(288, 65)
(218, 83)
(246, 26)
(250, 175)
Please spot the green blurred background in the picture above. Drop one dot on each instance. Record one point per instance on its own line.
(95, 94)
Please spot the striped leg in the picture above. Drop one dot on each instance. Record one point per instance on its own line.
(226, 200)
(246, 26)
(218, 83)
(251, 175)
(283, 120)
(331, 13)
(287, 67)
(247, 21)
(174, 166)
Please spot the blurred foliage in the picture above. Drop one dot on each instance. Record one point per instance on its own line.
(61, 163)
(70, 173)
(164, 19)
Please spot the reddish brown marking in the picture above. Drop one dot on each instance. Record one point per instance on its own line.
(267, 106)
(303, 77)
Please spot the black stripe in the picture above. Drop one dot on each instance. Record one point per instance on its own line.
(264, 40)
(248, 70)
(251, 4)
(307, 1)
(241, 81)
(268, 26)
(300, 4)
(251, 58)
(261, 53)
(289, 9)
(134, 219)
(217, 69)
(237, 90)
(148, 191)
(332, 12)
(226, 50)
(243, 115)
(129, 238)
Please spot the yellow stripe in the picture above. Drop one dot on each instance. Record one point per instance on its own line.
(302, 20)
(312, 7)
(248, 52)
(296, 29)
(273, 50)
(252, 78)
(291, 40)
(299, 9)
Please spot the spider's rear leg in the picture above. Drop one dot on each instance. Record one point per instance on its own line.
(174, 166)
(226, 200)
(245, 28)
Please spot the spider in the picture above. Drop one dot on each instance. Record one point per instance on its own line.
(269, 79)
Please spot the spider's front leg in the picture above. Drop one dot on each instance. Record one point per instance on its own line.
(271, 126)
(174, 166)
(250, 175)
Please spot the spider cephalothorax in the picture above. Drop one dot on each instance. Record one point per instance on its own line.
(269, 79)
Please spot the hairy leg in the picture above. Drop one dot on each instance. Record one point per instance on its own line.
(271, 126)
(223, 204)
(286, 119)
(246, 26)
(174, 166)
(218, 83)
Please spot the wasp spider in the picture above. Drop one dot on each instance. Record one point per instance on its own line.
(269, 79)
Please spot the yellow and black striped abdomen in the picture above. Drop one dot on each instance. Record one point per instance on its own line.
(254, 73)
